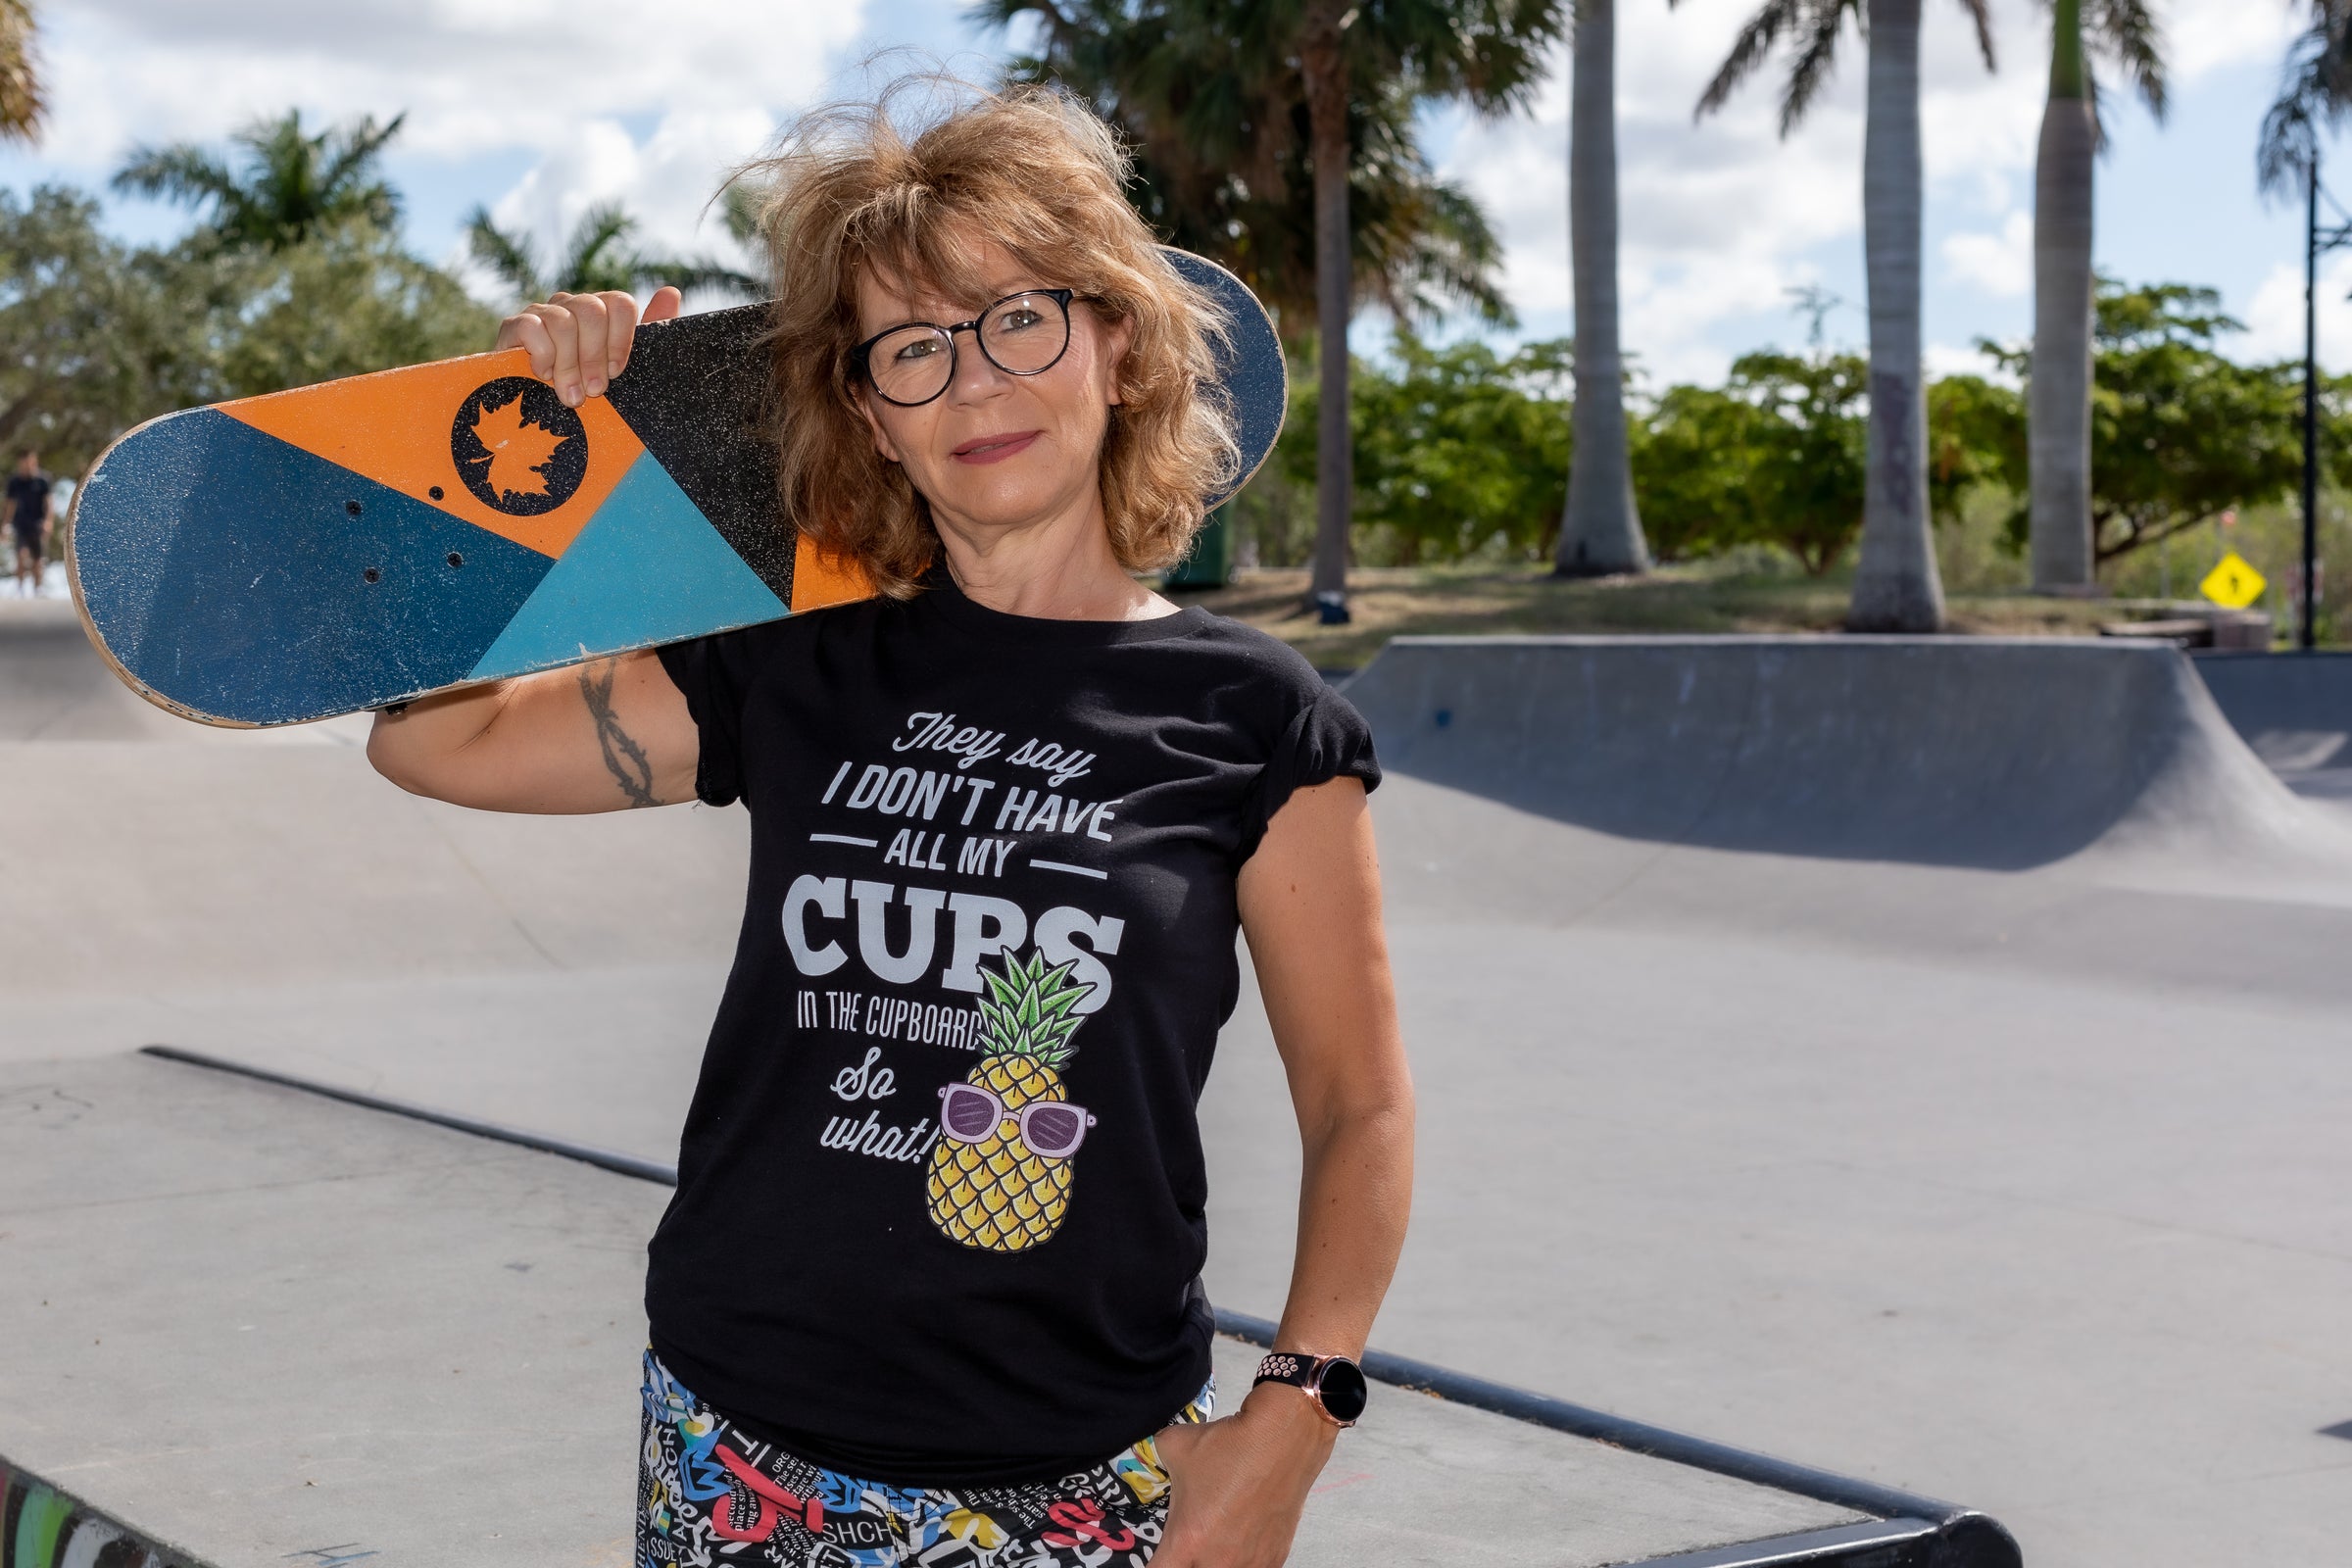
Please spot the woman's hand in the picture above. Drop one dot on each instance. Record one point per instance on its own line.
(579, 342)
(1241, 1482)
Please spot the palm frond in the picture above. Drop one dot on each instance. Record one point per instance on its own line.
(24, 103)
(508, 256)
(181, 173)
(2129, 33)
(1980, 17)
(1816, 58)
(694, 272)
(2311, 99)
(1748, 51)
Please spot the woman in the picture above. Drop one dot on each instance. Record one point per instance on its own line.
(929, 1288)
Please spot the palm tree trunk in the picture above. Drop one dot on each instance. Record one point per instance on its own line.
(1325, 71)
(1895, 583)
(1601, 532)
(2059, 396)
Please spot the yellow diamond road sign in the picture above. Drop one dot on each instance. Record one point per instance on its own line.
(2233, 584)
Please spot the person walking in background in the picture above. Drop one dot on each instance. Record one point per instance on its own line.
(30, 511)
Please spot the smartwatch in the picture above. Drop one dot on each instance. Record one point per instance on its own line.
(1334, 1382)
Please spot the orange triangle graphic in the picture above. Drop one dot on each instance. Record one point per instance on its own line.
(397, 428)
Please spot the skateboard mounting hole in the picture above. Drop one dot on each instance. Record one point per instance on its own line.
(352, 506)
(371, 575)
(434, 492)
(455, 560)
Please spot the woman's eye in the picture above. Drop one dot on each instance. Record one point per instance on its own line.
(921, 348)
(1014, 320)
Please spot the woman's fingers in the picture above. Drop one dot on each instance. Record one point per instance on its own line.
(525, 331)
(621, 329)
(591, 364)
(563, 371)
(579, 342)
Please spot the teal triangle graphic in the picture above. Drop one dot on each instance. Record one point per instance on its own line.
(646, 569)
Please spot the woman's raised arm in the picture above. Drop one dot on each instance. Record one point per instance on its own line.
(598, 737)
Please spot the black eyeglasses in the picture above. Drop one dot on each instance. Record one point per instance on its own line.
(1022, 334)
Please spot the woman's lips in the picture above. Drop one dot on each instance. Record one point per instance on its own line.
(995, 448)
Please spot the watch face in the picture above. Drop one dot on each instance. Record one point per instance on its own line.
(1344, 1389)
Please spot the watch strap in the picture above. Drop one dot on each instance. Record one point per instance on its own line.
(1302, 1371)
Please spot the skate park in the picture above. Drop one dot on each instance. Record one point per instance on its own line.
(1918, 1060)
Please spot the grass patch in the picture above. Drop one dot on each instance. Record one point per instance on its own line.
(1710, 597)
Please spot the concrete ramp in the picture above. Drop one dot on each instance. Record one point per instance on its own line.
(1997, 755)
(2294, 710)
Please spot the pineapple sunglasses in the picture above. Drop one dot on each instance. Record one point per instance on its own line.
(1052, 1128)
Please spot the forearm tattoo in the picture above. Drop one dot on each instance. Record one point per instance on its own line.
(625, 758)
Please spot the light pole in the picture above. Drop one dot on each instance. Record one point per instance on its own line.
(2315, 241)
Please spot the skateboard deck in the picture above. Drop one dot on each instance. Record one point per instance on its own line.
(359, 543)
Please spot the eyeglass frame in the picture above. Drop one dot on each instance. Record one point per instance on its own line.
(1020, 1117)
(859, 360)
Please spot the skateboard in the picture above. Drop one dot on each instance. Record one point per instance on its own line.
(356, 544)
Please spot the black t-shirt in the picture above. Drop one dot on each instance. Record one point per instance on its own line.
(989, 853)
(27, 501)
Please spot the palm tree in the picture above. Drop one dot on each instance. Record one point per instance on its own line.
(596, 256)
(289, 187)
(1220, 166)
(22, 100)
(1226, 94)
(2315, 93)
(2058, 396)
(1895, 583)
(1601, 532)
(2314, 96)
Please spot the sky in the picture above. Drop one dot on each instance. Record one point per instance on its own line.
(541, 108)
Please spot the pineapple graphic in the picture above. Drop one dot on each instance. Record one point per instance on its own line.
(1000, 1171)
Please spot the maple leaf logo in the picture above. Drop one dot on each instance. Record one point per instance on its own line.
(516, 452)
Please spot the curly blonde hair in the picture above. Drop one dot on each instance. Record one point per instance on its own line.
(1042, 176)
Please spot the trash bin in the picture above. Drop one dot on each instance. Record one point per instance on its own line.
(1210, 565)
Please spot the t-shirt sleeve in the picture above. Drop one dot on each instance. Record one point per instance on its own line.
(1327, 739)
(713, 673)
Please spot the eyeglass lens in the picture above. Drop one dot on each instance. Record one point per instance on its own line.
(1022, 335)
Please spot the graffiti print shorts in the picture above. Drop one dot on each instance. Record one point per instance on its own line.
(709, 1495)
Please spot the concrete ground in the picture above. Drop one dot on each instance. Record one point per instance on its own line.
(259, 1325)
(2011, 1176)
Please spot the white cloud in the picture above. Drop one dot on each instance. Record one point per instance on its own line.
(2274, 319)
(554, 78)
(2000, 264)
(2204, 36)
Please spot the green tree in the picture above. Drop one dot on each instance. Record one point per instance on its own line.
(2060, 396)
(1809, 450)
(598, 255)
(1459, 450)
(1694, 462)
(284, 187)
(1976, 443)
(90, 347)
(1220, 91)
(1895, 583)
(344, 301)
(1220, 138)
(22, 102)
(2180, 431)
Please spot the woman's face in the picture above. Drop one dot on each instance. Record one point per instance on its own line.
(997, 451)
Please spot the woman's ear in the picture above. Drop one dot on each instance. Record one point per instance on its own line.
(1117, 338)
(882, 441)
